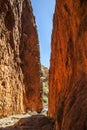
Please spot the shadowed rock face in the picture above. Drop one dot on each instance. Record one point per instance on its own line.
(30, 57)
(19, 58)
(68, 70)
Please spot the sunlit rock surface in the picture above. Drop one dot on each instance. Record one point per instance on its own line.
(19, 59)
(68, 70)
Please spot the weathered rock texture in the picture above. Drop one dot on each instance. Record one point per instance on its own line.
(19, 58)
(68, 71)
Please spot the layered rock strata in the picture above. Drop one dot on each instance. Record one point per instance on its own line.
(19, 58)
(68, 70)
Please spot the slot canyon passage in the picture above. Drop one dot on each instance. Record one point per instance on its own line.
(20, 67)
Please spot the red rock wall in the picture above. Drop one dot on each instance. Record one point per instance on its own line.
(68, 69)
(19, 58)
(30, 57)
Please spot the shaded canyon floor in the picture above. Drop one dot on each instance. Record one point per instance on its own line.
(35, 122)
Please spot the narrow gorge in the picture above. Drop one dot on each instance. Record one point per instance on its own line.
(20, 67)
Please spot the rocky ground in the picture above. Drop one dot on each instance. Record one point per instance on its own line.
(35, 122)
(11, 120)
(28, 121)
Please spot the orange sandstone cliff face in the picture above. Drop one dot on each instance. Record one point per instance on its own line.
(30, 57)
(68, 70)
(19, 58)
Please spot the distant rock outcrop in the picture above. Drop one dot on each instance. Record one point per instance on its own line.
(68, 70)
(44, 83)
(19, 58)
